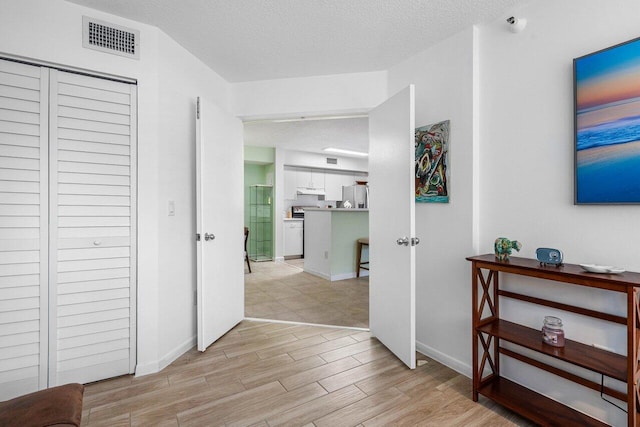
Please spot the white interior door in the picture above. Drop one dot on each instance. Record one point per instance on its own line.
(67, 228)
(392, 217)
(92, 217)
(24, 161)
(219, 207)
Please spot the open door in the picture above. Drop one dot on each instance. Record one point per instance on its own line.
(392, 282)
(219, 222)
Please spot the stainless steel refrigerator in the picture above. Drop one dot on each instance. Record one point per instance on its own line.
(357, 195)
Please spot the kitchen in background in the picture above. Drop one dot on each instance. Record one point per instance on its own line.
(306, 187)
(283, 290)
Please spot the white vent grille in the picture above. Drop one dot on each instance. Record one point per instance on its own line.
(110, 38)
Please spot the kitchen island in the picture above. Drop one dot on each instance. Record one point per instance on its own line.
(330, 236)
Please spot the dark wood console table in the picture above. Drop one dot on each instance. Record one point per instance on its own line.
(489, 330)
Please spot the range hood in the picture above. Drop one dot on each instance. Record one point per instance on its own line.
(311, 191)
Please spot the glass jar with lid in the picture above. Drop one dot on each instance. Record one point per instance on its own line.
(552, 332)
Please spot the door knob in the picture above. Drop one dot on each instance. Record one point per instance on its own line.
(403, 241)
(208, 236)
(415, 241)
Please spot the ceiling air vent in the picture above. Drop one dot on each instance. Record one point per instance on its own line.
(332, 161)
(110, 38)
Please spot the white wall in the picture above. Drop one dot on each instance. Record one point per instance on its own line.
(316, 160)
(328, 95)
(509, 98)
(526, 185)
(168, 80)
(443, 78)
(182, 79)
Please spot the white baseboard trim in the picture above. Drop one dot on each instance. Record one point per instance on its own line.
(344, 276)
(166, 360)
(146, 369)
(335, 277)
(315, 273)
(446, 360)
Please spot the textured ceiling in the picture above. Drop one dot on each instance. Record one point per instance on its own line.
(310, 135)
(245, 40)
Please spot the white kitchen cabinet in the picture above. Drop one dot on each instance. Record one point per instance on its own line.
(290, 184)
(309, 178)
(293, 237)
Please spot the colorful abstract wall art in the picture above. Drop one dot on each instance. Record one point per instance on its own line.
(607, 125)
(432, 162)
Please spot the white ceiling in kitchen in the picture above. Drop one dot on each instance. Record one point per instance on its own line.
(310, 135)
(247, 40)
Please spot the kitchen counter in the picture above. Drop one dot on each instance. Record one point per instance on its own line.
(336, 210)
(330, 241)
(293, 219)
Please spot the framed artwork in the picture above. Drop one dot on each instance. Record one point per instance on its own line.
(432, 163)
(607, 125)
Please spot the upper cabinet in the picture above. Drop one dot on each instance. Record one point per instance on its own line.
(309, 178)
(331, 181)
(290, 184)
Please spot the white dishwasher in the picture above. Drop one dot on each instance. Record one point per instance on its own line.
(293, 237)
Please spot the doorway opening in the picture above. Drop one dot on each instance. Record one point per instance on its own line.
(301, 174)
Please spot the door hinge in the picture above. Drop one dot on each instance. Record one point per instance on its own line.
(197, 237)
(198, 108)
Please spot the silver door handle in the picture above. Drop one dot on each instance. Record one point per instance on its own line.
(208, 236)
(415, 241)
(403, 241)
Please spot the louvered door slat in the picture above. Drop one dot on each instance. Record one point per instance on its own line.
(92, 175)
(23, 224)
(93, 147)
(93, 105)
(20, 105)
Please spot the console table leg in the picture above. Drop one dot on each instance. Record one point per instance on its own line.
(633, 327)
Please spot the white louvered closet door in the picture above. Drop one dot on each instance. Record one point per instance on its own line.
(92, 231)
(23, 228)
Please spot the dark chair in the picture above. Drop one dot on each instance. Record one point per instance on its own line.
(246, 254)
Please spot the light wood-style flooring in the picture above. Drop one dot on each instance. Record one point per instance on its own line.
(283, 291)
(272, 374)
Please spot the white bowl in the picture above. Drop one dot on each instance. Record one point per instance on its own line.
(595, 268)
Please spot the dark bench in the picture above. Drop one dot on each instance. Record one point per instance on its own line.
(56, 406)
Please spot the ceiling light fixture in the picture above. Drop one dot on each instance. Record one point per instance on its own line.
(347, 152)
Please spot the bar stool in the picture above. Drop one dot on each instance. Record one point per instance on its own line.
(359, 264)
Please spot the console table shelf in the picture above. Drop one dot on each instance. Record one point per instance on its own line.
(489, 330)
(534, 406)
(604, 362)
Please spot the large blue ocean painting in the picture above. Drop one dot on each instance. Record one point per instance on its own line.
(608, 125)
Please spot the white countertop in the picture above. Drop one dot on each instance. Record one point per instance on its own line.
(294, 219)
(336, 210)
